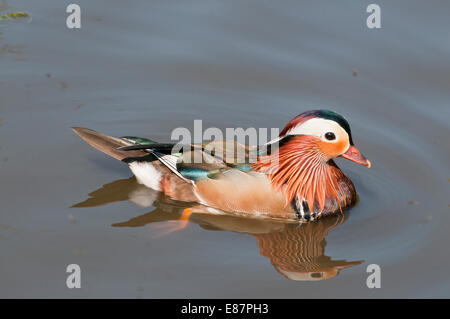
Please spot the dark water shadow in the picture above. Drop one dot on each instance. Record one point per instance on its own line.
(297, 251)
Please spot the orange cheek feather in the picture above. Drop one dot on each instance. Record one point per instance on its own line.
(332, 150)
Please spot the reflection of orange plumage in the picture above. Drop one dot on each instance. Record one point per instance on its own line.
(180, 224)
(298, 251)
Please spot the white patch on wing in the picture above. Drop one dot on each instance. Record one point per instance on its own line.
(146, 174)
(171, 162)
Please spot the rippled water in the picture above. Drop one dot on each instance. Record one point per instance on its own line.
(146, 67)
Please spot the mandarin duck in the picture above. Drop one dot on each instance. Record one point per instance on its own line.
(291, 177)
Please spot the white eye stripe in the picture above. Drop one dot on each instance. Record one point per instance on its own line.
(319, 127)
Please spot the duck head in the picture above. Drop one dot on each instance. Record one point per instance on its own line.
(331, 133)
(303, 161)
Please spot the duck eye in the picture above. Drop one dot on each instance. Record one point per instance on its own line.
(330, 136)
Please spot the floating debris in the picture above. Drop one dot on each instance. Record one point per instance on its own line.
(413, 202)
(16, 16)
(354, 72)
(64, 85)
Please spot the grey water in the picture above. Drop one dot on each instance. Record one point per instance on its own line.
(144, 68)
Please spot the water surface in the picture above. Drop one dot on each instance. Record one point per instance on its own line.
(146, 67)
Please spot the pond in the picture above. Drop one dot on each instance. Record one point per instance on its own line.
(147, 67)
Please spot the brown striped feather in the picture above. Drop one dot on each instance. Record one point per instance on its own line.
(301, 169)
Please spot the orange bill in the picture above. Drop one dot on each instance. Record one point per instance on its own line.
(353, 154)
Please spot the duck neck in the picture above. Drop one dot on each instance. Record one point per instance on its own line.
(304, 174)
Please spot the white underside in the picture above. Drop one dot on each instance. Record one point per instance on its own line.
(146, 174)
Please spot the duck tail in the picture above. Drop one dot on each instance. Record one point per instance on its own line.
(108, 144)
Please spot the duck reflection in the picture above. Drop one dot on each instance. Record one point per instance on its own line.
(297, 251)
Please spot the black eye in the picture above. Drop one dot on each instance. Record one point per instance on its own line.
(330, 136)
